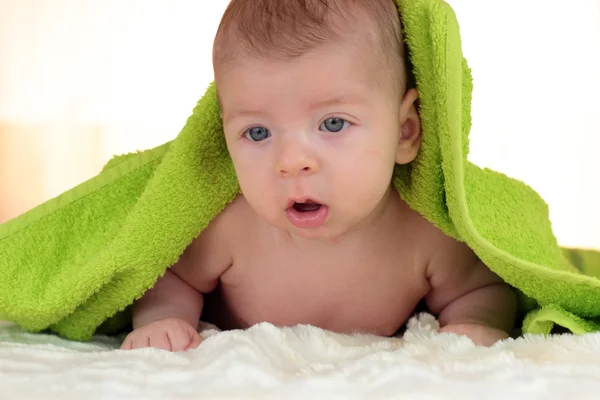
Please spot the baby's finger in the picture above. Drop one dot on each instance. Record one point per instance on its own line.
(179, 340)
(195, 342)
(161, 340)
(127, 344)
(140, 342)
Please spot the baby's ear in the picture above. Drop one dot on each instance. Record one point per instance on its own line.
(410, 129)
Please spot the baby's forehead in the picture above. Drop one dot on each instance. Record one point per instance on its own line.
(334, 64)
(336, 74)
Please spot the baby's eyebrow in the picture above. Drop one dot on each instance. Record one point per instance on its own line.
(339, 100)
(228, 116)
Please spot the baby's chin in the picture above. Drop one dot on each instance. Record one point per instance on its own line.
(320, 234)
(329, 232)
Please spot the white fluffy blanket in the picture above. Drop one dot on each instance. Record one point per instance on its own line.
(303, 362)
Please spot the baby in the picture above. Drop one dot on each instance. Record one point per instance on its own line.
(317, 111)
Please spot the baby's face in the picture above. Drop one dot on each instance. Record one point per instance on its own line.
(313, 140)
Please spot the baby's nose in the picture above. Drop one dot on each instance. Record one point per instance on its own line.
(296, 162)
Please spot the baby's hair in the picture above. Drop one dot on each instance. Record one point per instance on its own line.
(286, 29)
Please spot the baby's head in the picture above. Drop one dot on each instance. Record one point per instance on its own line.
(315, 108)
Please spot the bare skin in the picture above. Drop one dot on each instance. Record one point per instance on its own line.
(350, 285)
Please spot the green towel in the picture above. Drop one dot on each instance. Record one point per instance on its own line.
(73, 265)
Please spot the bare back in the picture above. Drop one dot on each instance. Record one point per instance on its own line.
(366, 284)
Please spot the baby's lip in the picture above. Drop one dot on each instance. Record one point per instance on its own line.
(301, 200)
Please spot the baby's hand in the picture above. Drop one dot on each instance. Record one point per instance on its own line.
(480, 334)
(170, 334)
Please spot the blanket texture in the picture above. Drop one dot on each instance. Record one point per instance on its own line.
(74, 264)
(303, 362)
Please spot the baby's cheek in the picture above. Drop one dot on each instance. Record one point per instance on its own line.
(367, 178)
(374, 155)
(256, 189)
(376, 166)
(252, 175)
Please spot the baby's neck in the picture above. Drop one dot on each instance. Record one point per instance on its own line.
(374, 229)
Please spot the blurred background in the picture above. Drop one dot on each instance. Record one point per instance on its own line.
(81, 80)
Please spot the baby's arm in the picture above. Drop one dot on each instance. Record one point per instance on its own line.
(467, 297)
(167, 315)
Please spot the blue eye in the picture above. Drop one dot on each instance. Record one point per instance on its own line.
(334, 125)
(257, 134)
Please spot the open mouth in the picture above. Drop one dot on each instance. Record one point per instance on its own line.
(305, 214)
(306, 206)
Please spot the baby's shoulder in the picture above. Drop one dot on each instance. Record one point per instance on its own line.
(431, 239)
(210, 254)
(230, 221)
